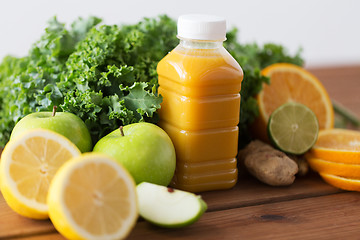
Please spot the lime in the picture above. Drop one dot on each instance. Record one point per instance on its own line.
(293, 128)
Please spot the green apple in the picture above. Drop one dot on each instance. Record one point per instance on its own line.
(167, 207)
(64, 123)
(144, 149)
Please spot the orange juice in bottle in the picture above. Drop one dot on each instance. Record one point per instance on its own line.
(200, 84)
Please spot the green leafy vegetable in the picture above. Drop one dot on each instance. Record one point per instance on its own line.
(107, 74)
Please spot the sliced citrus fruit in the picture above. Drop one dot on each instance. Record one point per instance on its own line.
(338, 145)
(290, 83)
(28, 164)
(93, 197)
(293, 128)
(338, 169)
(341, 182)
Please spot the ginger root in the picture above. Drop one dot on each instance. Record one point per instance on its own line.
(302, 164)
(267, 164)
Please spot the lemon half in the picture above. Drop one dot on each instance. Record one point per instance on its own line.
(28, 164)
(93, 197)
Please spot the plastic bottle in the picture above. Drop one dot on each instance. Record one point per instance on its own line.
(200, 84)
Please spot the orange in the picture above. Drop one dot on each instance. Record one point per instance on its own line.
(341, 182)
(338, 145)
(291, 83)
(336, 156)
(338, 169)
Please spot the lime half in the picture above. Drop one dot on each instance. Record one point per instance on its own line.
(293, 128)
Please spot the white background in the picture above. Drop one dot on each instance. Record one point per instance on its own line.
(328, 31)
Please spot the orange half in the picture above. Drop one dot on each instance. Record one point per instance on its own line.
(291, 83)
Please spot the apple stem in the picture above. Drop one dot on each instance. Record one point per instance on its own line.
(121, 131)
(54, 111)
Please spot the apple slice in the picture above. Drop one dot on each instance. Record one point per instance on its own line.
(167, 207)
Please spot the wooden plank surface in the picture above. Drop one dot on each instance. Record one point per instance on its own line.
(327, 217)
(308, 209)
(45, 236)
(247, 192)
(12, 224)
(333, 216)
(342, 84)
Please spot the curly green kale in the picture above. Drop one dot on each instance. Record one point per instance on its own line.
(104, 74)
(26, 84)
(107, 74)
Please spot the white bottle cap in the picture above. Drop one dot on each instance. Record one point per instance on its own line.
(201, 27)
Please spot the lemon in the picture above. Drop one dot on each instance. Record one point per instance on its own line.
(93, 197)
(28, 164)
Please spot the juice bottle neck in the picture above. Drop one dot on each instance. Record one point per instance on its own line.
(200, 44)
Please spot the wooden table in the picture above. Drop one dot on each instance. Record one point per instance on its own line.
(308, 209)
